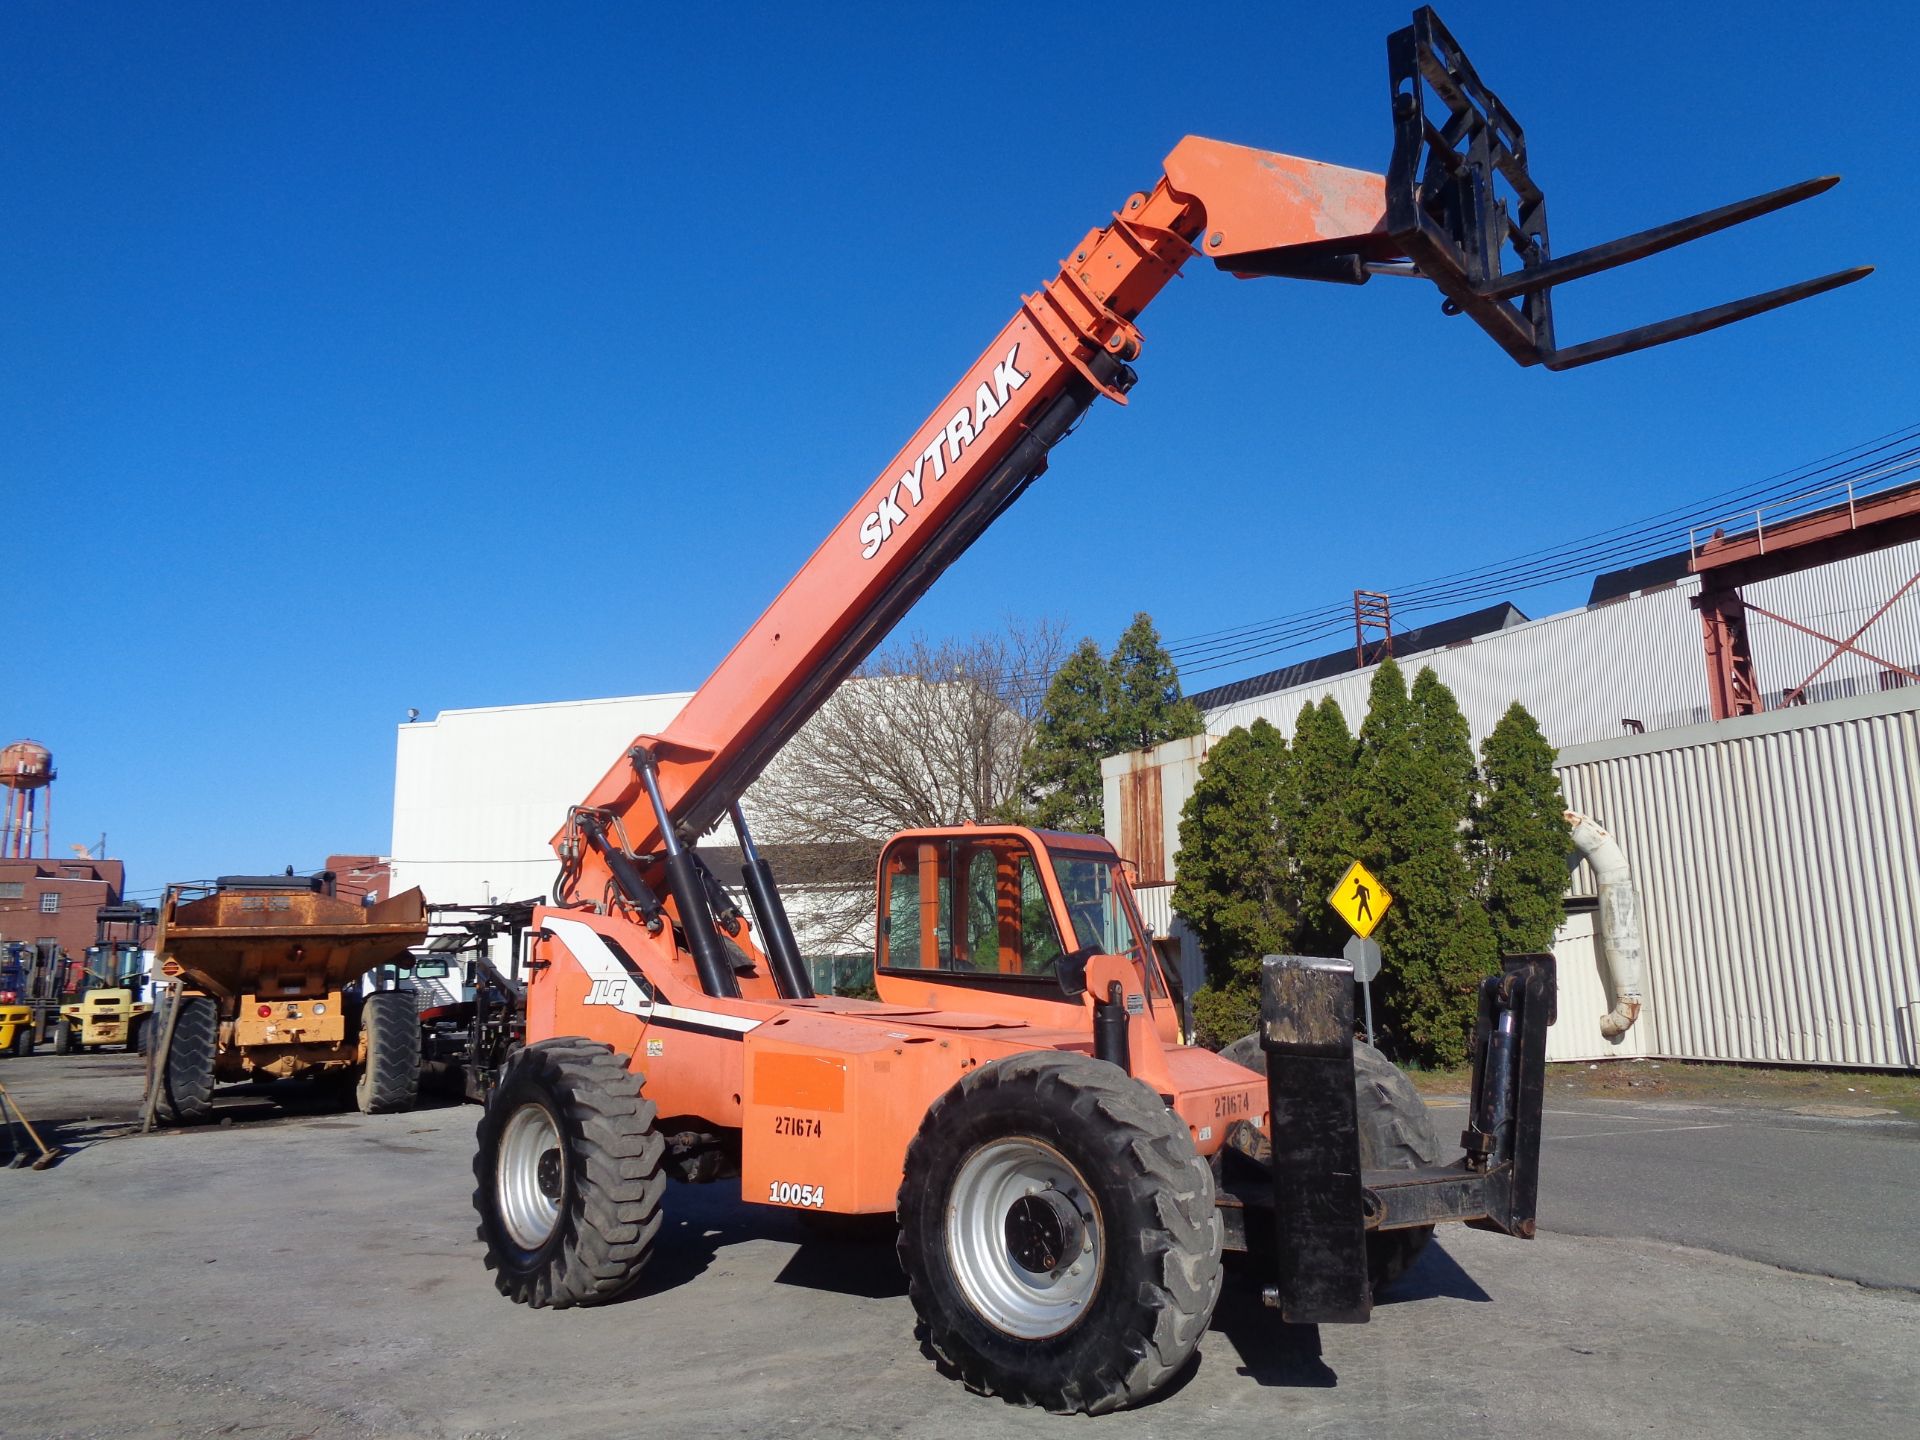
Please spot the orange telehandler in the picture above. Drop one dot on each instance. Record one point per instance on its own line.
(1064, 1172)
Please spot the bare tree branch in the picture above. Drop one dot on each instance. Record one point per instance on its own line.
(927, 733)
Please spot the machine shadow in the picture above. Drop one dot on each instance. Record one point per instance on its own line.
(1436, 1275)
(1272, 1352)
(837, 1255)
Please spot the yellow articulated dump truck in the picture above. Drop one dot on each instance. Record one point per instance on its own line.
(270, 973)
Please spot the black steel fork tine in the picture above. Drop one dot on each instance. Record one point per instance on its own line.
(1681, 326)
(1629, 248)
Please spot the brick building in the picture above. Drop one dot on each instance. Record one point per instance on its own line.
(53, 904)
(364, 879)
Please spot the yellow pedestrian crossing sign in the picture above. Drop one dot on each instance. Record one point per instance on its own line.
(1360, 898)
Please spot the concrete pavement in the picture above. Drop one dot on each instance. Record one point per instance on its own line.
(318, 1278)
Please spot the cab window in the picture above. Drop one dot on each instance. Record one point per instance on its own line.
(1102, 918)
(962, 904)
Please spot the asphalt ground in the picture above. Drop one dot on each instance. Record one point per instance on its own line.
(316, 1276)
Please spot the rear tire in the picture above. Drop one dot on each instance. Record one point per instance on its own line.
(389, 1081)
(571, 1176)
(188, 1083)
(1396, 1133)
(1027, 1170)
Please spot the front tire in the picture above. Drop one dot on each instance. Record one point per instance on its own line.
(63, 1037)
(1058, 1232)
(571, 1176)
(23, 1040)
(389, 1081)
(1396, 1133)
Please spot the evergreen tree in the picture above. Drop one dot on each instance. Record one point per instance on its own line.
(1520, 835)
(1062, 768)
(1095, 708)
(1147, 706)
(1234, 884)
(1413, 784)
(1319, 827)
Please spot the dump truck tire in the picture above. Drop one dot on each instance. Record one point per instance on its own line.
(188, 1087)
(1058, 1232)
(571, 1174)
(63, 1038)
(390, 1080)
(1396, 1133)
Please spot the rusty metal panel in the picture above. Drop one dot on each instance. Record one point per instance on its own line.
(1778, 863)
(1141, 834)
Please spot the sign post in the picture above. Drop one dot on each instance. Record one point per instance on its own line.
(1361, 900)
(1364, 956)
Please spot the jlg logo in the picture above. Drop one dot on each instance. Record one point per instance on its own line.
(968, 424)
(606, 992)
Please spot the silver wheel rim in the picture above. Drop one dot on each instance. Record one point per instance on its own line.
(530, 1176)
(1024, 1238)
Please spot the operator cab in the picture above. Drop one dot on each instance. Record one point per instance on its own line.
(1010, 912)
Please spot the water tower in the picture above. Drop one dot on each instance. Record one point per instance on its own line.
(26, 768)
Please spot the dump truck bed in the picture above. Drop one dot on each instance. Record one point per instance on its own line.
(287, 941)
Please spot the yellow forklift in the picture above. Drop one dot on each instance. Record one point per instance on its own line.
(104, 1015)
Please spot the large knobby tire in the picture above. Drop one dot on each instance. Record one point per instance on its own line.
(389, 1081)
(187, 1085)
(571, 1175)
(1396, 1133)
(1059, 1235)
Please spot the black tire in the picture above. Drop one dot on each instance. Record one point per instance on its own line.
(1396, 1133)
(137, 1035)
(1136, 1196)
(23, 1041)
(188, 1086)
(390, 1080)
(605, 1180)
(63, 1037)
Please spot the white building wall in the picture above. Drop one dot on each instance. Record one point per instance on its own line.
(477, 794)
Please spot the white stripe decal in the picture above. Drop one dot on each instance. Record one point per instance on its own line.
(601, 964)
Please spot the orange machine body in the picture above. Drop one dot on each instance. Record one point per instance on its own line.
(826, 1094)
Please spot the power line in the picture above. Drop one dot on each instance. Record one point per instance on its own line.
(1640, 539)
(1872, 463)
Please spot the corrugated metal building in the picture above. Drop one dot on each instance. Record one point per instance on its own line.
(1638, 657)
(1775, 855)
(1777, 862)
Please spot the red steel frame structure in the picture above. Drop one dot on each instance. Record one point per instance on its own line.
(1726, 563)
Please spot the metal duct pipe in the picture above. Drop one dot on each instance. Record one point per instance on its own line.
(1619, 922)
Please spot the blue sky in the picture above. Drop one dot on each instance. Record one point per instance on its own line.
(360, 357)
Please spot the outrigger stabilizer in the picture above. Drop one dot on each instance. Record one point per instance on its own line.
(1462, 206)
(1304, 1177)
